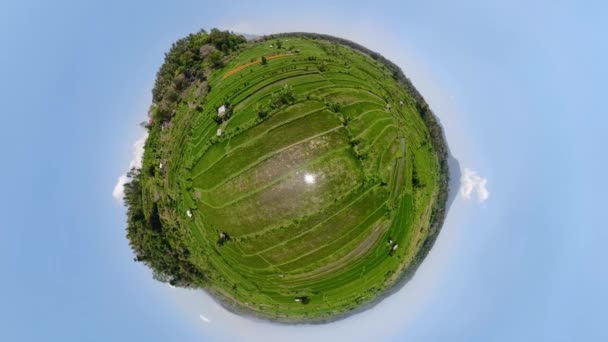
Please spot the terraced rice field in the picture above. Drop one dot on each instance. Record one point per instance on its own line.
(326, 200)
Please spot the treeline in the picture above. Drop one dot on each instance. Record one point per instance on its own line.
(189, 59)
(154, 244)
(438, 211)
(156, 240)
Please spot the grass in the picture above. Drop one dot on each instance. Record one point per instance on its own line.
(324, 239)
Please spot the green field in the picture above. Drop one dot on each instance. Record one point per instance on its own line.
(327, 182)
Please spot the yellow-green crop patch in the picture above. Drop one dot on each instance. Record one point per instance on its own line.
(299, 188)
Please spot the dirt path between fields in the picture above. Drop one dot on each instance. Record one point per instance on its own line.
(257, 61)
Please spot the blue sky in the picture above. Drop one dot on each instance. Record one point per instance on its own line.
(519, 87)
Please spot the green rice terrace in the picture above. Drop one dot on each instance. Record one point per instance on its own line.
(296, 178)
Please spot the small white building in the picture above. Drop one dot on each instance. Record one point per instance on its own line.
(219, 132)
(298, 299)
(189, 213)
(221, 111)
(401, 102)
(160, 166)
(395, 247)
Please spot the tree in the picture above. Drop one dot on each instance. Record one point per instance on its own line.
(224, 40)
(264, 60)
(162, 112)
(282, 97)
(261, 110)
(323, 66)
(205, 50)
(334, 106)
(216, 58)
(171, 94)
(279, 44)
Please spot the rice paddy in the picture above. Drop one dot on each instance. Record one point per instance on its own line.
(306, 210)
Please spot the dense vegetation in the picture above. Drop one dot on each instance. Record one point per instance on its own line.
(161, 246)
(297, 177)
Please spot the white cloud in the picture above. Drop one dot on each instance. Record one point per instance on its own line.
(204, 319)
(118, 191)
(470, 181)
(138, 153)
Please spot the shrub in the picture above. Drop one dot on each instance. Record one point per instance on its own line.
(334, 106)
(323, 67)
(261, 111)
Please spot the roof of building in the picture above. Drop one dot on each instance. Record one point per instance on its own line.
(221, 110)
